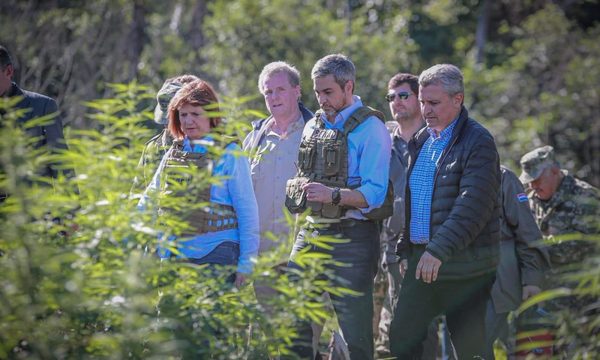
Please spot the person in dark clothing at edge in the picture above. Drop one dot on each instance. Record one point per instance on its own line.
(451, 234)
(50, 134)
(523, 261)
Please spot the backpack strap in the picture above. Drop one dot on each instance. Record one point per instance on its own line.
(261, 130)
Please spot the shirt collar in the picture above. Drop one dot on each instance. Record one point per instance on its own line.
(343, 115)
(293, 127)
(199, 146)
(444, 134)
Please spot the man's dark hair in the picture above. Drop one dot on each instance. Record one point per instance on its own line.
(404, 78)
(338, 65)
(5, 59)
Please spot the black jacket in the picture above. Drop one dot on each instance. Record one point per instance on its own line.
(465, 218)
(49, 135)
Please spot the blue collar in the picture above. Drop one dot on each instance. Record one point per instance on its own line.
(199, 146)
(444, 134)
(343, 115)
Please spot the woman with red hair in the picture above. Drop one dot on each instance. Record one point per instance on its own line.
(221, 217)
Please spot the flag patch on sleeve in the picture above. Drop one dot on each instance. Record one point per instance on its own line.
(522, 197)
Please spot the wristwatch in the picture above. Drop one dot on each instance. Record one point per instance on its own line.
(336, 196)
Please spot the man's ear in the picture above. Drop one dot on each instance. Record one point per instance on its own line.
(9, 70)
(458, 99)
(298, 92)
(349, 86)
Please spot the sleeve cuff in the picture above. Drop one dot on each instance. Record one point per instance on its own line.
(370, 197)
(245, 266)
(435, 250)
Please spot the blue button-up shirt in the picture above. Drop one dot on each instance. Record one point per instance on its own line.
(421, 183)
(235, 189)
(369, 151)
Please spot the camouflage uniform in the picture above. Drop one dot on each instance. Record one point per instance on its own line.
(154, 150)
(573, 210)
(157, 146)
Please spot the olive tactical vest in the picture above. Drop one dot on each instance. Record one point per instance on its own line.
(323, 158)
(202, 215)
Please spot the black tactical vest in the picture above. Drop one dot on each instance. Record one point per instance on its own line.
(203, 216)
(323, 158)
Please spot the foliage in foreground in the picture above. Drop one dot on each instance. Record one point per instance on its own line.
(571, 305)
(79, 273)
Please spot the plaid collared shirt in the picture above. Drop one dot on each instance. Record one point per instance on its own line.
(421, 183)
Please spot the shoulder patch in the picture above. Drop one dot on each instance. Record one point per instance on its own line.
(522, 197)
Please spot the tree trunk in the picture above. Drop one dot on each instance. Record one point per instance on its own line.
(136, 38)
(481, 33)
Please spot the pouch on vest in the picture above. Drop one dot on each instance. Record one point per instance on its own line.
(306, 156)
(331, 211)
(323, 158)
(295, 197)
(330, 152)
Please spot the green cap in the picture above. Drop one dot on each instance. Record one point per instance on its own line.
(163, 97)
(535, 162)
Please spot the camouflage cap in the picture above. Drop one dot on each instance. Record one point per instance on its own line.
(163, 97)
(536, 161)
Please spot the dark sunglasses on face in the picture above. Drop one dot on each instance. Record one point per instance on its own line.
(402, 95)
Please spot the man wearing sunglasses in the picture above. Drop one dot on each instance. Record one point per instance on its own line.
(452, 226)
(403, 98)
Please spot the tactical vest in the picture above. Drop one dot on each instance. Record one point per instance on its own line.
(200, 213)
(323, 158)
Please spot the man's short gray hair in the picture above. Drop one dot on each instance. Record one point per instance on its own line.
(338, 65)
(447, 75)
(277, 67)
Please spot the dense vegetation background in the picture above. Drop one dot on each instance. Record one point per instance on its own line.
(77, 276)
(532, 67)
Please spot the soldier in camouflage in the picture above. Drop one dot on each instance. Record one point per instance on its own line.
(566, 210)
(561, 205)
(157, 146)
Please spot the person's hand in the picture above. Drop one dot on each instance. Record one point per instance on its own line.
(403, 266)
(240, 279)
(318, 192)
(428, 268)
(530, 290)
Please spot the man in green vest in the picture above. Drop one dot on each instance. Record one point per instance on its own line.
(343, 167)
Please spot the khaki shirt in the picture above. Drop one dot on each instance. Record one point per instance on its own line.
(271, 165)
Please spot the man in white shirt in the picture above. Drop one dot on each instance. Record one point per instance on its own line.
(273, 148)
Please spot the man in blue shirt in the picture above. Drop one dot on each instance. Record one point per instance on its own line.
(451, 232)
(344, 211)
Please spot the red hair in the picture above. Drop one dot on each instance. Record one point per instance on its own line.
(196, 93)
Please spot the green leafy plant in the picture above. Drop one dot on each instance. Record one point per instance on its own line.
(80, 275)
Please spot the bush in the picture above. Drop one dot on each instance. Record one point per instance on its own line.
(79, 273)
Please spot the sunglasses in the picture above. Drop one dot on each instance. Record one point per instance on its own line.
(402, 95)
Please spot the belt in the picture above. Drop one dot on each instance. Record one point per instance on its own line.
(418, 245)
(340, 223)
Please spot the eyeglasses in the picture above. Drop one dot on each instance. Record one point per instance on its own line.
(402, 95)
